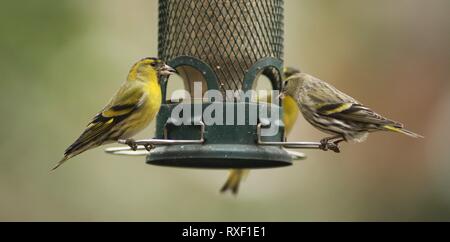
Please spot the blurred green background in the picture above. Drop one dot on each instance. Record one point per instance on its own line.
(60, 61)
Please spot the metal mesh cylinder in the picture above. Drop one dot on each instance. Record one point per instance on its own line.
(228, 35)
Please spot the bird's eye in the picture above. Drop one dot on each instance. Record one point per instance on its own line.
(285, 83)
(153, 64)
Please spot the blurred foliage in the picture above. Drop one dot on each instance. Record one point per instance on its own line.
(61, 60)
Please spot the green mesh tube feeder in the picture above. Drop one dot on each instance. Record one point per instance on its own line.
(225, 45)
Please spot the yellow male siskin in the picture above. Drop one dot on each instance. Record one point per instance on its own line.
(130, 110)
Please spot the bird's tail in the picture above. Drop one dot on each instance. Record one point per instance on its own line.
(234, 179)
(403, 131)
(64, 159)
(74, 150)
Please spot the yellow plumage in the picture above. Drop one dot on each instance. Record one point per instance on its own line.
(130, 110)
(291, 112)
(402, 131)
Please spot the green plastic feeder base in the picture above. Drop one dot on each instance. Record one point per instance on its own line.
(219, 156)
(224, 147)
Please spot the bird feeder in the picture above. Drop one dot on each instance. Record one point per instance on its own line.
(224, 45)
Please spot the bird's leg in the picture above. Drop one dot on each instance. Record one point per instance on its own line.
(335, 144)
(325, 144)
(334, 147)
(149, 147)
(132, 144)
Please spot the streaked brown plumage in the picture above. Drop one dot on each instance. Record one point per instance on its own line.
(336, 113)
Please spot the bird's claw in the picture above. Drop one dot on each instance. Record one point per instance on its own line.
(325, 145)
(334, 147)
(149, 147)
(132, 144)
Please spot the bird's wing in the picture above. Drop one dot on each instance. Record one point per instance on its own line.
(127, 100)
(324, 93)
(334, 103)
(355, 112)
(129, 97)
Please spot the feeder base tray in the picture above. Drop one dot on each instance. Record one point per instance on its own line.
(230, 156)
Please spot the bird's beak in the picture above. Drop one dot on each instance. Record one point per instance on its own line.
(167, 70)
(281, 96)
